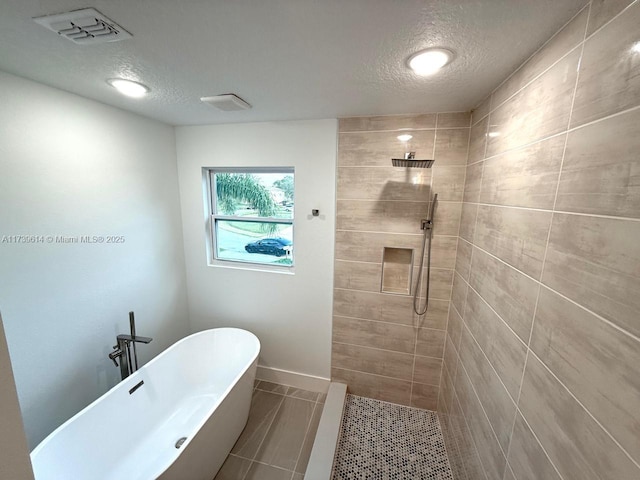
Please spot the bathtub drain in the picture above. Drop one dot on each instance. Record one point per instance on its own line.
(180, 442)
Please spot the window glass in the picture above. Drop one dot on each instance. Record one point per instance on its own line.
(252, 215)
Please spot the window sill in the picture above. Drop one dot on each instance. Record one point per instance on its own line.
(252, 267)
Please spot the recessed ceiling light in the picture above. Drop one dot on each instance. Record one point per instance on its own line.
(429, 61)
(129, 87)
(636, 47)
(405, 137)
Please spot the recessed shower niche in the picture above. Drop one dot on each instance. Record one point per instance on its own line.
(397, 267)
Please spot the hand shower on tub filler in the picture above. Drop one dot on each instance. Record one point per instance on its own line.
(122, 350)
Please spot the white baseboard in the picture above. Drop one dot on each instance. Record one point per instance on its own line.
(293, 379)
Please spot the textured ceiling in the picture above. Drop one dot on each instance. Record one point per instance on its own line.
(290, 59)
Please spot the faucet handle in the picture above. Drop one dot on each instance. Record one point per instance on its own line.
(115, 354)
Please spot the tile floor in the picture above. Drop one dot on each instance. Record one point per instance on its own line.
(276, 443)
(384, 441)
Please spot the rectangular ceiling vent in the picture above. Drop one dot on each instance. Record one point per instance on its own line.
(227, 102)
(85, 26)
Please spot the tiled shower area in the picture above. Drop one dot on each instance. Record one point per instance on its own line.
(530, 348)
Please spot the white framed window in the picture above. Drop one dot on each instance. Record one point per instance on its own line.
(251, 216)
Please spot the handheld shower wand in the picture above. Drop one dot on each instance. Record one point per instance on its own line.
(427, 227)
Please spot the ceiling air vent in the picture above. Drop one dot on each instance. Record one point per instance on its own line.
(84, 26)
(227, 102)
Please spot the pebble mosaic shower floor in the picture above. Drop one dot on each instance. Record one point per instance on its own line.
(384, 441)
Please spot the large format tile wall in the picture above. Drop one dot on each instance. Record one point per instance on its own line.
(381, 349)
(540, 377)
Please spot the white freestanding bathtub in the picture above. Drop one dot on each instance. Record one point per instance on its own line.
(199, 388)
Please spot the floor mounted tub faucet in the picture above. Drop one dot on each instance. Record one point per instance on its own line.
(122, 349)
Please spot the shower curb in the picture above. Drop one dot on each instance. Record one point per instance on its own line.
(324, 447)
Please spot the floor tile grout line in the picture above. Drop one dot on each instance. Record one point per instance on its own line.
(306, 433)
(266, 434)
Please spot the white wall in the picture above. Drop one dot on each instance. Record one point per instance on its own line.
(71, 166)
(290, 314)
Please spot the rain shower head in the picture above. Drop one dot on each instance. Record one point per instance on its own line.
(410, 161)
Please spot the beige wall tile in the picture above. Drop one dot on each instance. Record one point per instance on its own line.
(596, 362)
(424, 396)
(511, 294)
(443, 252)
(527, 177)
(576, 444)
(601, 168)
(439, 285)
(609, 79)
(503, 349)
(495, 400)
(459, 294)
(388, 336)
(378, 148)
(383, 183)
(450, 361)
(454, 328)
(430, 342)
(565, 40)
(469, 453)
(463, 258)
(516, 236)
(369, 246)
(357, 275)
(596, 262)
(487, 444)
(374, 386)
(526, 457)
(447, 218)
(454, 119)
(478, 141)
(385, 216)
(391, 122)
(388, 308)
(373, 306)
(539, 110)
(445, 392)
(472, 182)
(452, 146)
(371, 360)
(604, 10)
(448, 182)
(481, 111)
(468, 221)
(427, 370)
